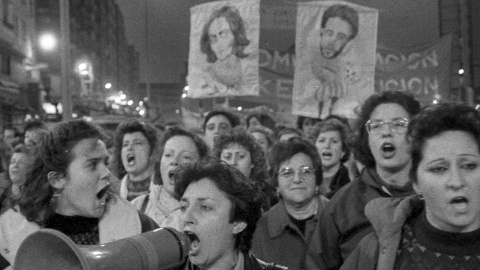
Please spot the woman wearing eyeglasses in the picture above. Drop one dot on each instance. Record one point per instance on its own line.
(439, 226)
(381, 145)
(286, 233)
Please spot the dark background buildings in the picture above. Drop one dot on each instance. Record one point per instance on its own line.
(110, 37)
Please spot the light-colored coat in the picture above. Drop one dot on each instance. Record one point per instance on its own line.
(121, 220)
(162, 207)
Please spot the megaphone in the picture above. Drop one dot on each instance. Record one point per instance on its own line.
(164, 248)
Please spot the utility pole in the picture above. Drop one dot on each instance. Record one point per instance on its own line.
(147, 56)
(65, 59)
(465, 82)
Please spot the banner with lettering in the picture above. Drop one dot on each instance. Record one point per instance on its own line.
(276, 83)
(335, 57)
(424, 70)
(223, 57)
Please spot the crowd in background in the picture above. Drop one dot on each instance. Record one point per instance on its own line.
(398, 188)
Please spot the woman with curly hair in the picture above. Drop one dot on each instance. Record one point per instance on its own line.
(287, 232)
(220, 209)
(134, 158)
(67, 189)
(178, 147)
(382, 145)
(332, 147)
(264, 137)
(439, 226)
(240, 150)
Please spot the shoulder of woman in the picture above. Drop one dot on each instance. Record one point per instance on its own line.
(138, 201)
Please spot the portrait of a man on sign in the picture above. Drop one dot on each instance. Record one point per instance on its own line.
(329, 66)
(226, 63)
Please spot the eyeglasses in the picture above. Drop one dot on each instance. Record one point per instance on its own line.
(398, 126)
(305, 173)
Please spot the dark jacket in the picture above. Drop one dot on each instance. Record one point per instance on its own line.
(279, 240)
(343, 222)
(340, 179)
(387, 215)
(250, 263)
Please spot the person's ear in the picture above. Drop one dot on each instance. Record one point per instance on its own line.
(56, 180)
(239, 226)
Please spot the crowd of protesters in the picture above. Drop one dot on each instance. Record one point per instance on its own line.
(396, 188)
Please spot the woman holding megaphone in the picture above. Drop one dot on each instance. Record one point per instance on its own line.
(220, 209)
(67, 189)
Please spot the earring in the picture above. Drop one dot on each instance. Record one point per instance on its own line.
(420, 196)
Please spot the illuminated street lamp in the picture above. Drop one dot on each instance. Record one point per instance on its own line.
(108, 85)
(83, 68)
(48, 42)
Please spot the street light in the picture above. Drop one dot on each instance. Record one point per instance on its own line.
(48, 42)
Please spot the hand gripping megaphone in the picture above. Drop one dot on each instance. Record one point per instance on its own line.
(164, 248)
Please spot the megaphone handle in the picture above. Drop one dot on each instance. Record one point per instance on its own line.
(3, 263)
(146, 250)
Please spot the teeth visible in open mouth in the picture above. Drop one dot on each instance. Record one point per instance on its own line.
(103, 191)
(388, 147)
(194, 243)
(459, 200)
(171, 174)
(130, 159)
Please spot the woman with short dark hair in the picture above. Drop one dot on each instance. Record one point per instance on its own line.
(439, 226)
(220, 208)
(67, 189)
(240, 150)
(332, 147)
(218, 122)
(381, 144)
(178, 146)
(134, 158)
(286, 233)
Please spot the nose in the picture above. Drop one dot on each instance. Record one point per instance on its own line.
(105, 174)
(328, 144)
(188, 217)
(456, 179)
(175, 161)
(231, 161)
(128, 146)
(387, 129)
(297, 178)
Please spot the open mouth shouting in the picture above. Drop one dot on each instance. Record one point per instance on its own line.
(103, 195)
(130, 159)
(194, 243)
(171, 176)
(327, 155)
(459, 203)
(387, 150)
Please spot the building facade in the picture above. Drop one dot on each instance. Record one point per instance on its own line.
(99, 53)
(18, 67)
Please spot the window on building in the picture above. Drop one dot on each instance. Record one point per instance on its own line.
(5, 64)
(8, 19)
(23, 31)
